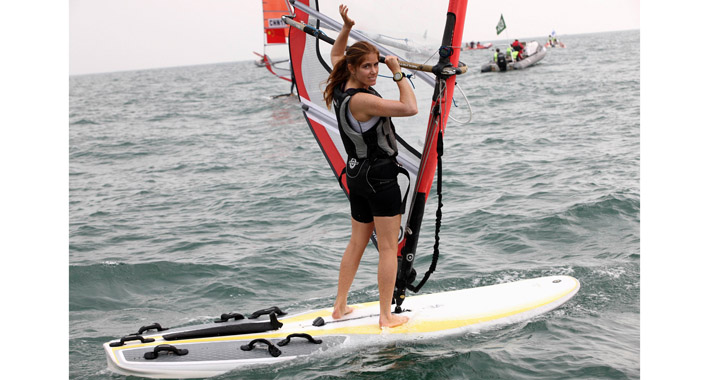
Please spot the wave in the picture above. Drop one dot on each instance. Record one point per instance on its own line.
(115, 286)
(109, 158)
(84, 122)
(608, 205)
(215, 169)
(164, 117)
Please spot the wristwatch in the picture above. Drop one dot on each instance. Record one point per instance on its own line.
(398, 76)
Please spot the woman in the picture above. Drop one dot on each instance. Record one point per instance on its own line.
(364, 120)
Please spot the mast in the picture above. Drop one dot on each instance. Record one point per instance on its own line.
(433, 147)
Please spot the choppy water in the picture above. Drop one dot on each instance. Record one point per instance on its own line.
(194, 193)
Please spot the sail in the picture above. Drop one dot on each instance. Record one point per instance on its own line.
(274, 67)
(276, 33)
(417, 136)
(412, 50)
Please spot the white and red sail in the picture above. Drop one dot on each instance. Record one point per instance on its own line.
(276, 33)
(417, 137)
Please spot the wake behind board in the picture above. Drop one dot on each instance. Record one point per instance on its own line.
(206, 350)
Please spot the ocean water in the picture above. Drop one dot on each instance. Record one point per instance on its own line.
(194, 192)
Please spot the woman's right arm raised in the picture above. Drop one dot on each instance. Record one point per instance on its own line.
(338, 49)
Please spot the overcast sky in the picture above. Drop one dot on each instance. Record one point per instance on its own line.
(116, 35)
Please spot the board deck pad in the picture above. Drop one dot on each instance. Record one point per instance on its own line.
(230, 350)
(430, 316)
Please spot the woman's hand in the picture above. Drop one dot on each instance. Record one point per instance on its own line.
(393, 63)
(347, 22)
(338, 48)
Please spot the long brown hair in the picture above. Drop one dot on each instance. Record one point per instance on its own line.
(354, 56)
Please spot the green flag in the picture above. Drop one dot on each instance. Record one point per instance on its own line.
(501, 25)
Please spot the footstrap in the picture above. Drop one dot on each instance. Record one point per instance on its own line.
(129, 338)
(144, 329)
(274, 351)
(309, 338)
(267, 311)
(151, 355)
(225, 317)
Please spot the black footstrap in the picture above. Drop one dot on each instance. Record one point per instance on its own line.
(274, 351)
(129, 338)
(309, 338)
(156, 326)
(237, 329)
(269, 310)
(225, 317)
(151, 355)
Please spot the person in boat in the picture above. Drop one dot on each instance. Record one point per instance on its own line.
(474, 45)
(364, 121)
(500, 60)
(517, 46)
(520, 54)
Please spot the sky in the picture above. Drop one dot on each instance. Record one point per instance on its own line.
(118, 35)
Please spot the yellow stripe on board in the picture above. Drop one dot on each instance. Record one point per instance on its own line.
(409, 328)
(431, 326)
(323, 313)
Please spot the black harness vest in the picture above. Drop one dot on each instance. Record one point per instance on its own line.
(373, 149)
(377, 142)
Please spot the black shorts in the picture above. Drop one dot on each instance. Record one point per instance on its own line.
(374, 190)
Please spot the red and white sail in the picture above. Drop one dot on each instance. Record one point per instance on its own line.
(276, 33)
(417, 136)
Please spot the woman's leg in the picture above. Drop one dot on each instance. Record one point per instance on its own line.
(361, 233)
(387, 237)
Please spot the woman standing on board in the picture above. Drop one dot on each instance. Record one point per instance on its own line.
(365, 125)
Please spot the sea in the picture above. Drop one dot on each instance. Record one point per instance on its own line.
(196, 191)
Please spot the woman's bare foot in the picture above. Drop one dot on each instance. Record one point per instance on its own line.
(341, 312)
(393, 320)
